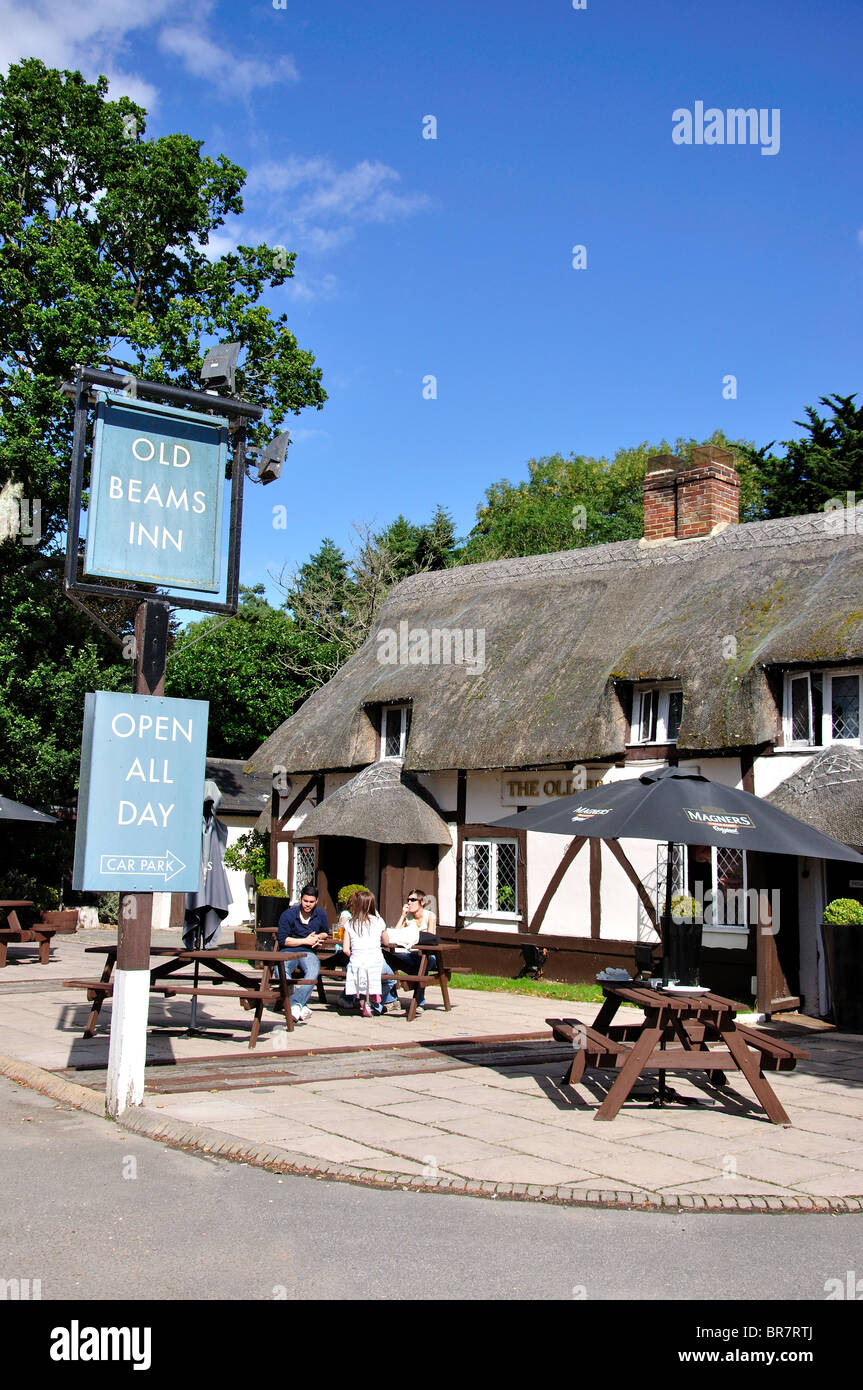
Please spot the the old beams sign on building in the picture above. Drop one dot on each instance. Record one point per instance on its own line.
(156, 492)
(141, 794)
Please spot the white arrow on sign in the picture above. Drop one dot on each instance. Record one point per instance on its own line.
(168, 865)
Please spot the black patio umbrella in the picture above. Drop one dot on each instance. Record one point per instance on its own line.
(13, 810)
(682, 808)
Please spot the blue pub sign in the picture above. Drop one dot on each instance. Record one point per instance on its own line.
(141, 794)
(156, 494)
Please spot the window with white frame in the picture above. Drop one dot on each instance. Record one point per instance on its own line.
(395, 727)
(728, 908)
(656, 713)
(822, 707)
(490, 878)
(303, 868)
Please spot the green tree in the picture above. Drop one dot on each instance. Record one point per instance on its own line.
(103, 238)
(414, 549)
(104, 261)
(827, 463)
(255, 670)
(579, 501)
(335, 601)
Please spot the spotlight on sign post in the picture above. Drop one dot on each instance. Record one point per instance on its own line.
(272, 458)
(220, 366)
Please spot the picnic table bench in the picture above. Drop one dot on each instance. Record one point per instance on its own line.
(272, 987)
(690, 1023)
(39, 933)
(333, 970)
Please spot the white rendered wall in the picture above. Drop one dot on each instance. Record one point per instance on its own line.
(569, 911)
(239, 909)
(770, 771)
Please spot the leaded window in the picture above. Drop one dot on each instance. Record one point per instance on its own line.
(303, 869)
(490, 877)
(822, 707)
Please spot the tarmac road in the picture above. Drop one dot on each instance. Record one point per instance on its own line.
(105, 1214)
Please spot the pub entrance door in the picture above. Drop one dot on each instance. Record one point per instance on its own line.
(341, 860)
(404, 867)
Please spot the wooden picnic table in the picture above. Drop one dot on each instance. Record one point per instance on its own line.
(331, 969)
(261, 989)
(690, 1023)
(40, 933)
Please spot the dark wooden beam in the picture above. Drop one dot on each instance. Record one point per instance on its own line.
(595, 882)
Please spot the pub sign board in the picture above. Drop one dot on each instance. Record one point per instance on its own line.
(156, 494)
(141, 794)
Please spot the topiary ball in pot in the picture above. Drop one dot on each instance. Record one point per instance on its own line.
(842, 934)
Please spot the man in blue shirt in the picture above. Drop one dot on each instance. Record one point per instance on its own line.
(304, 924)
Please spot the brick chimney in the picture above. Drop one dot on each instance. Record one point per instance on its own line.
(686, 499)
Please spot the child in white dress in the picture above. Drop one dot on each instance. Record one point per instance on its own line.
(364, 934)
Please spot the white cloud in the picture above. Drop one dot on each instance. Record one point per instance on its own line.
(202, 57)
(306, 289)
(100, 36)
(320, 206)
(91, 37)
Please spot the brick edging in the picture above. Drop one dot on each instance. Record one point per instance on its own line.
(183, 1134)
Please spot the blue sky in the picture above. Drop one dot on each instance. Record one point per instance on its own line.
(452, 257)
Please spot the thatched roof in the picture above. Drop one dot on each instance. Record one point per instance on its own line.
(561, 629)
(242, 792)
(827, 792)
(381, 804)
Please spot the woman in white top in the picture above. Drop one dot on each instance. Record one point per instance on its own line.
(364, 934)
(415, 918)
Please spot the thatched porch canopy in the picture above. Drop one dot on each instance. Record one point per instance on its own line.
(559, 634)
(382, 805)
(827, 793)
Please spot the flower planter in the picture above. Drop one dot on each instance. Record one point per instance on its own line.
(267, 914)
(843, 951)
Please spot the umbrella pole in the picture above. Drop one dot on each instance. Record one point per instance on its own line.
(662, 1090)
(193, 1016)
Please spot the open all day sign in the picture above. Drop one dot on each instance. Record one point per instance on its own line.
(156, 494)
(141, 794)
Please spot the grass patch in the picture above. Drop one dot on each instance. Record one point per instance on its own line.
(544, 989)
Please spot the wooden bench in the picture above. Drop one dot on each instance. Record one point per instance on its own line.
(415, 983)
(591, 1049)
(39, 934)
(273, 988)
(692, 1024)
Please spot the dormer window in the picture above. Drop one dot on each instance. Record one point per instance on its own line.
(822, 707)
(395, 727)
(657, 710)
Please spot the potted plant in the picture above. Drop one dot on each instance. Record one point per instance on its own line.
(271, 901)
(842, 934)
(684, 946)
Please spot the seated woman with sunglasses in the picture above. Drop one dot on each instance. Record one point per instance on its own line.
(415, 918)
